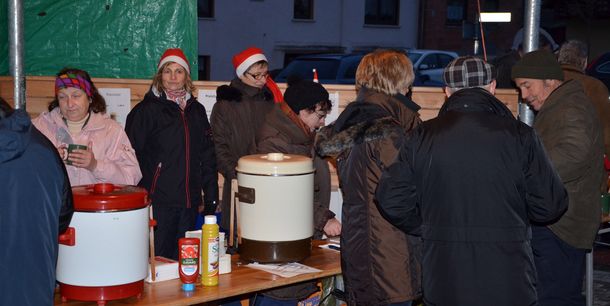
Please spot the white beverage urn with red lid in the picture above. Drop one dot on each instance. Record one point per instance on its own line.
(104, 253)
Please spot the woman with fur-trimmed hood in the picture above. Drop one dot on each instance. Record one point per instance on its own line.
(239, 112)
(380, 263)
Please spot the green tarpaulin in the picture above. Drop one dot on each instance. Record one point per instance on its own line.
(113, 38)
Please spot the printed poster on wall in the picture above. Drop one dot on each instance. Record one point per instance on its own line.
(207, 98)
(118, 103)
(334, 111)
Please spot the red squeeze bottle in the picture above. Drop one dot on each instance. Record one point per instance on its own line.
(188, 263)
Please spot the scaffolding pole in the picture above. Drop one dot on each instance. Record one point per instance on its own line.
(531, 30)
(15, 49)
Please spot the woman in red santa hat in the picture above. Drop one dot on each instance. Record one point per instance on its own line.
(238, 113)
(172, 137)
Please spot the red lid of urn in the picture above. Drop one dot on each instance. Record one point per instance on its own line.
(108, 197)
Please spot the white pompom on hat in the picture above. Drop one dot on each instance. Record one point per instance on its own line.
(174, 55)
(244, 59)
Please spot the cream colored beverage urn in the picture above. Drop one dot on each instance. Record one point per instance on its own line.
(275, 207)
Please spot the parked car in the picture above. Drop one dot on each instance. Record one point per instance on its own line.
(431, 63)
(331, 68)
(600, 68)
(341, 68)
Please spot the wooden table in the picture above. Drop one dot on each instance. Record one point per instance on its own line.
(242, 280)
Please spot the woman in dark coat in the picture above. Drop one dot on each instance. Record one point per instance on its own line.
(380, 264)
(239, 111)
(172, 137)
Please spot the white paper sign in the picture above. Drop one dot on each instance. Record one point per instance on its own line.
(334, 111)
(118, 103)
(284, 270)
(207, 97)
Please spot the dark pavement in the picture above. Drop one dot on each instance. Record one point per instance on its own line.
(601, 271)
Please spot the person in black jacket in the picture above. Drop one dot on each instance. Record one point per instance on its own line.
(35, 207)
(172, 137)
(380, 264)
(471, 181)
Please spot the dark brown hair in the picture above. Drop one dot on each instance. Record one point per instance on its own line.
(98, 104)
(325, 106)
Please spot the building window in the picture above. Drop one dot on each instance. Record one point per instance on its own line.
(205, 8)
(203, 68)
(303, 9)
(456, 12)
(381, 12)
(490, 6)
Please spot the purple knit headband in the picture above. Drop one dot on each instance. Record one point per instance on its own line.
(73, 80)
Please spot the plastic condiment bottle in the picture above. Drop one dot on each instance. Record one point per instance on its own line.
(188, 263)
(209, 251)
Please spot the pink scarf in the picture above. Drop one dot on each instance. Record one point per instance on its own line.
(178, 96)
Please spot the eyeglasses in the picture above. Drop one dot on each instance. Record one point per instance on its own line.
(258, 76)
(321, 115)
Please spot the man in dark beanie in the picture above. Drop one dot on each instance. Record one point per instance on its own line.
(290, 129)
(569, 128)
(476, 178)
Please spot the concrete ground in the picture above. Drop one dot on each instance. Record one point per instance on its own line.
(601, 272)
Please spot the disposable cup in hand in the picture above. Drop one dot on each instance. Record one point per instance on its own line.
(70, 148)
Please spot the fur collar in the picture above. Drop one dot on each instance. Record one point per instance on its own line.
(331, 144)
(238, 91)
(228, 93)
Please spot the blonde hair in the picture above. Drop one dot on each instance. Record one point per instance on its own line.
(158, 80)
(386, 71)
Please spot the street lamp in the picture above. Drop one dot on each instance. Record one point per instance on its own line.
(485, 17)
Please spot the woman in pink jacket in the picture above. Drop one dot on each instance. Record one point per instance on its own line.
(77, 116)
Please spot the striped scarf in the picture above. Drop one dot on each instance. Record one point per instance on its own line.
(178, 96)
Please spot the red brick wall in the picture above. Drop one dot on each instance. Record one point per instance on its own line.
(437, 34)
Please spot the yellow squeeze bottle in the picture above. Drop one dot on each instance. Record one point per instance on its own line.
(209, 251)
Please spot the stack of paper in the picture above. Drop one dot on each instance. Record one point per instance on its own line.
(165, 269)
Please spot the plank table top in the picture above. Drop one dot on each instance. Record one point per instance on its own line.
(242, 280)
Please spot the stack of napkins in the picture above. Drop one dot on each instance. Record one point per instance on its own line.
(165, 269)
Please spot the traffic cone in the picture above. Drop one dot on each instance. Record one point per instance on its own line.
(315, 76)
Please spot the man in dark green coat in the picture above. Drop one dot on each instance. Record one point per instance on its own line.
(571, 133)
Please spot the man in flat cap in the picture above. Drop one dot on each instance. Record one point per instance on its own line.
(567, 124)
(474, 177)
